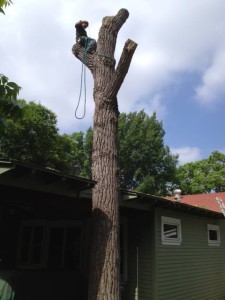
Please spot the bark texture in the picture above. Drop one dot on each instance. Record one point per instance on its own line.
(104, 275)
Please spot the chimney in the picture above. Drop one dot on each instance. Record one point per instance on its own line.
(177, 194)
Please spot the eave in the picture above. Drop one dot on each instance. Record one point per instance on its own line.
(148, 202)
(27, 176)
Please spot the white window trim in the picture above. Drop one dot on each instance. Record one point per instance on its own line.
(171, 221)
(217, 229)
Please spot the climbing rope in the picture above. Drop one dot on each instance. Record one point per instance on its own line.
(83, 79)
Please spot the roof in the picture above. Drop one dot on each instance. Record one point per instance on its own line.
(200, 208)
(206, 201)
(28, 176)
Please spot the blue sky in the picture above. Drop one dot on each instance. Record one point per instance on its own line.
(178, 69)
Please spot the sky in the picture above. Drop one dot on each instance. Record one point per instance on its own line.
(177, 71)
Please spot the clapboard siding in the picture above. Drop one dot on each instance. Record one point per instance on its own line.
(193, 270)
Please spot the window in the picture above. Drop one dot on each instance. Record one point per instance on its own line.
(213, 235)
(52, 245)
(31, 244)
(63, 246)
(170, 231)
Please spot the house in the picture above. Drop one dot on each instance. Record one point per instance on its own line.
(171, 249)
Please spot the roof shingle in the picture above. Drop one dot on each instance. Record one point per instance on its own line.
(207, 201)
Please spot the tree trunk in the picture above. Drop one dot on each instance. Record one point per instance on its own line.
(104, 276)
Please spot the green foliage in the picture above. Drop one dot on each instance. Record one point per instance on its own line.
(203, 176)
(29, 137)
(87, 147)
(69, 153)
(146, 164)
(4, 3)
(34, 138)
(8, 89)
(9, 106)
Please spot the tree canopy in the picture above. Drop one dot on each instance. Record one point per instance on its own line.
(146, 164)
(34, 138)
(203, 176)
(28, 137)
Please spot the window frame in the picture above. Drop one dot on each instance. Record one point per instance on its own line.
(171, 221)
(61, 225)
(217, 229)
(47, 226)
(32, 224)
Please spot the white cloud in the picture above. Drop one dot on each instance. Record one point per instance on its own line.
(155, 104)
(187, 154)
(212, 88)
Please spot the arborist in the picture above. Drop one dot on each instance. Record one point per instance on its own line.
(81, 36)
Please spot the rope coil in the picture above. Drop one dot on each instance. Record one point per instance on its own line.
(83, 79)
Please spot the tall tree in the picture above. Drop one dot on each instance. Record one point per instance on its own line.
(146, 164)
(104, 275)
(203, 176)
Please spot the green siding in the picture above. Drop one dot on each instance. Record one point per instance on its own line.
(193, 270)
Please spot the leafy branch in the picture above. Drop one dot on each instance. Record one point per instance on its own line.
(4, 3)
(9, 106)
